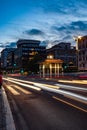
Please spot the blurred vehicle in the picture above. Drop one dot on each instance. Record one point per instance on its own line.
(82, 76)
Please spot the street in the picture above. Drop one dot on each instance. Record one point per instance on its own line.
(38, 109)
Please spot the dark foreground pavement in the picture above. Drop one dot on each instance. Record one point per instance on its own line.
(6, 118)
(2, 113)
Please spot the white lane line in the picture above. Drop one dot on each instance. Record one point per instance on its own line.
(21, 89)
(12, 90)
(69, 104)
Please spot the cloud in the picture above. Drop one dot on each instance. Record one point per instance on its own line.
(79, 25)
(12, 44)
(73, 28)
(34, 32)
(63, 6)
(66, 32)
(45, 20)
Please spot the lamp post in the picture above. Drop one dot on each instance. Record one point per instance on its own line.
(43, 70)
(58, 69)
(50, 70)
(55, 70)
(40, 70)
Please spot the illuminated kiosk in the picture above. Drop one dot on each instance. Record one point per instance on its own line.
(50, 67)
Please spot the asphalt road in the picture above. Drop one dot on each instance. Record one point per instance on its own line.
(39, 111)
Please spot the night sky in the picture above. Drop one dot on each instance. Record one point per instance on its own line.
(45, 20)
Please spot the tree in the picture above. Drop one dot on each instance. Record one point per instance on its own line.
(33, 64)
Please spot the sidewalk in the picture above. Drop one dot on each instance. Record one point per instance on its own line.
(6, 119)
(2, 113)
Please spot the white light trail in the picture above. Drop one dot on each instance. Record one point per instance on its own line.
(65, 93)
(39, 86)
(71, 87)
(74, 81)
(22, 84)
(50, 86)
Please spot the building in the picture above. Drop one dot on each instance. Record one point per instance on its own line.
(82, 53)
(51, 67)
(25, 52)
(10, 61)
(65, 52)
(0, 63)
(4, 57)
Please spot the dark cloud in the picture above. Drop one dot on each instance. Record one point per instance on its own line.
(77, 25)
(8, 44)
(56, 28)
(34, 32)
(67, 31)
(67, 37)
(2, 46)
(12, 44)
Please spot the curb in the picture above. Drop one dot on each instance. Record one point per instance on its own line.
(9, 118)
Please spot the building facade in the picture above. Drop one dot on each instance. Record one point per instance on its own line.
(50, 67)
(4, 57)
(65, 52)
(82, 53)
(10, 61)
(26, 50)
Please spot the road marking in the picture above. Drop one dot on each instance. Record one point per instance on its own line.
(69, 104)
(13, 91)
(71, 95)
(23, 90)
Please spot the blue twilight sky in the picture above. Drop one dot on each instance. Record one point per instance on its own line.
(45, 20)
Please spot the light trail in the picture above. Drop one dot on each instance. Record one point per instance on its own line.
(71, 95)
(50, 86)
(22, 84)
(73, 81)
(24, 81)
(40, 86)
(56, 86)
(69, 104)
(71, 87)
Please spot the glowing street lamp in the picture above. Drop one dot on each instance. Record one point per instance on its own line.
(79, 37)
(77, 40)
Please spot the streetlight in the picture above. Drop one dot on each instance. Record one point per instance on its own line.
(77, 38)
